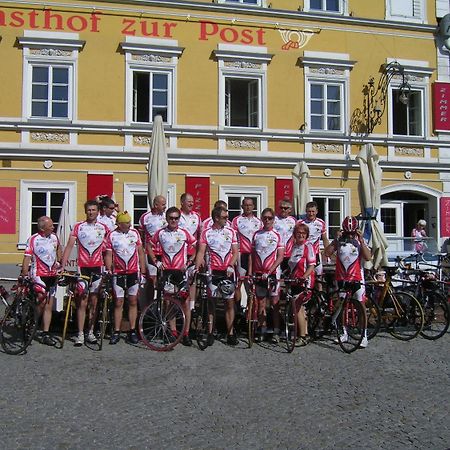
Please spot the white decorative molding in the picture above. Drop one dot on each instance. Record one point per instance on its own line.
(410, 151)
(327, 148)
(242, 144)
(59, 138)
(326, 71)
(242, 65)
(142, 140)
(151, 58)
(53, 52)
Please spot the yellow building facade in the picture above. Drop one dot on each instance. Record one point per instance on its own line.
(246, 89)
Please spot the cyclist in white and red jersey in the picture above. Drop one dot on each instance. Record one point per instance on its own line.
(265, 259)
(41, 263)
(126, 260)
(284, 224)
(351, 250)
(107, 216)
(90, 236)
(208, 222)
(245, 225)
(317, 231)
(301, 267)
(174, 242)
(219, 245)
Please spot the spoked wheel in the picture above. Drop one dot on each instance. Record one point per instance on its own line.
(70, 307)
(105, 318)
(314, 315)
(436, 313)
(252, 319)
(350, 325)
(200, 322)
(407, 315)
(18, 326)
(290, 323)
(162, 324)
(373, 318)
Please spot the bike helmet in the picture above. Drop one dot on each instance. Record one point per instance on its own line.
(350, 224)
(226, 287)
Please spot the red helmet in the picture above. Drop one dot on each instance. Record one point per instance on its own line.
(350, 224)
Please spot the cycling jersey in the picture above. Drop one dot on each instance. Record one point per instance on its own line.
(174, 245)
(316, 227)
(285, 227)
(246, 227)
(209, 222)
(301, 257)
(110, 221)
(265, 246)
(348, 260)
(91, 242)
(42, 250)
(124, 250)
(219, 242)
(191, 222)
(150, 223)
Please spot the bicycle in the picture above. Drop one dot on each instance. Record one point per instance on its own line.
(400, 312)
(19, 324)
(105, 307)
(162, 323)
(69, 280)
(202, 308)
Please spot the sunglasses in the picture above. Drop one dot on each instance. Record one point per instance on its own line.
(174, 217)
(267, 217)
(285, 207)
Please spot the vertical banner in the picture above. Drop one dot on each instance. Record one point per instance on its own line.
(283, 190)
(99, 184)
(7, 210)
(441, 106)
(445, 217)
(198, 187)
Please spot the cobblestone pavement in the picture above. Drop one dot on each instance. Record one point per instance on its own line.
(392, 395)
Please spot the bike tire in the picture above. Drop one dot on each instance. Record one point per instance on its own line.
(201, 321)
(69, 306)
(314, 315)
(155, 324)
(373, 314)
(436, 312)
(18, 326)
(252, 320)
(350, 325)
(407, 315)
(104, 319)
(290, 324)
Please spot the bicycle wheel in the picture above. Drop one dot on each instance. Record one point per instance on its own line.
(105, 318)
(373, 314)
(69, 306)
(350, 324)
(405, 315)
(18, 326)
(290, 323)
(162, 324)
(314, 315)
(436, 313)
(200, 323)
(252, 319)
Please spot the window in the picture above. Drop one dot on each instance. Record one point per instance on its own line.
(407, 119)
(151, 96)
(329, 6)
(151, 66)
(234, 195)
(242, 102)
(412, 10)
(49, 74)
(326, 106)
(38, 199)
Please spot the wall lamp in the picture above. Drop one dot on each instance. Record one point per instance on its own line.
(375, 96)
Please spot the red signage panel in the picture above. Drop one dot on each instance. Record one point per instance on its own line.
(445, 217)
(99, 184)
(7, 210)
(198, 187)
(441, 106)
(283, 190)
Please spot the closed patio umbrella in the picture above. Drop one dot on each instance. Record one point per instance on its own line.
(369, 188)
(157, 165)
(300, 176)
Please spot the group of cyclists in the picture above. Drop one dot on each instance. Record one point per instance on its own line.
(175, 243)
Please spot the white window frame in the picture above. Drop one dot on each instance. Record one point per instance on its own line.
(343, 7)
(417, 7)
(152, 56)
(328, 69)
(131, 189)
(422, 118)
(243, 62)
(245, 191)
(27, 187)
(49, 49)
(342, 194)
